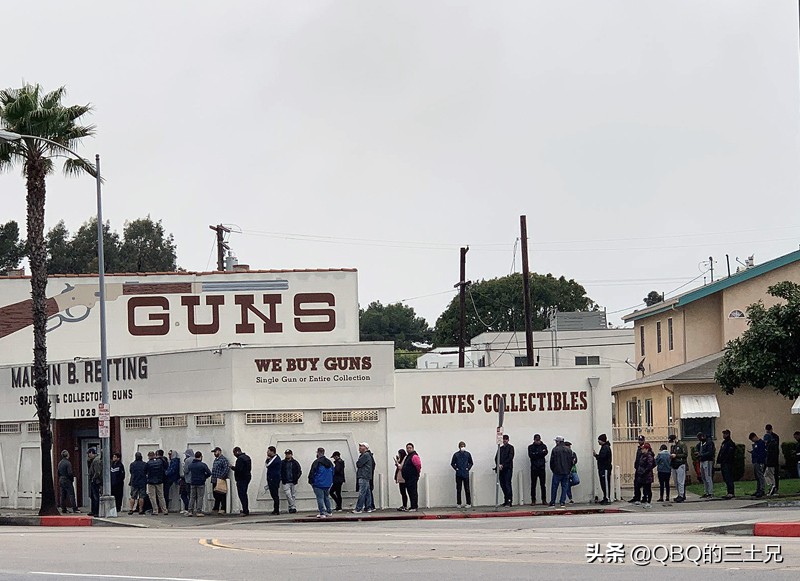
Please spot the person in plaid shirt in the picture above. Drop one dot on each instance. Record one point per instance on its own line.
(219, 471)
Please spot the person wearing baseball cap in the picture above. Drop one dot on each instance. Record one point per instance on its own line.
(290, 476)
(560, 466)
(678, 454)
(220, 470)
(364, 468)
(537, 452)
(604, 463)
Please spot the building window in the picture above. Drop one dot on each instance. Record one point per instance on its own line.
(172, 421)
(256, 418)
(521, 361)
(670, 343)
(33, 428)
(658, 337)
(137, 423)
(648, 413)
(345, 416)
(690, 427)
(641, 340)
(10, 428)
(669, 411)
(633, 419)
(209, 420)
(587, 360)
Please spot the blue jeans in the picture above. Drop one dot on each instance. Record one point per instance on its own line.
(364, 494)
(323, 500)
(563, 480)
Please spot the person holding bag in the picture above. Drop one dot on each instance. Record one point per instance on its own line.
(219, 480)
(398, 477)
(574, 479)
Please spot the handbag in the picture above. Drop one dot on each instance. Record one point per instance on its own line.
(574, 479)
(221, 486)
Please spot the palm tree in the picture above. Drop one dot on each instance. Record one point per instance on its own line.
(31, 112)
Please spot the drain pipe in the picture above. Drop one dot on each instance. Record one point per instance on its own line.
(593, 383)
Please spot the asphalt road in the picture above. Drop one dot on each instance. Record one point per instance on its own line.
(550, 548)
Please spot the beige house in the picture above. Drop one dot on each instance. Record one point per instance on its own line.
(679, 343)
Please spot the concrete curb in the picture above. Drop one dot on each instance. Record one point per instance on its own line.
(776, 529)
(46, 521)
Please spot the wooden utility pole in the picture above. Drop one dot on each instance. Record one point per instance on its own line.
(526, 288)
(221, 245)
(462, 303)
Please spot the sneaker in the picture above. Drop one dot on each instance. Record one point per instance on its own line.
(467, 506)
(320, 516)
(130, 512)
(275, 512)
(370, 510)
(184, 511)
(357, 511)
(292, 510)
(190, 514)
(605, 501)
(637, 503)
(632, 500)
(402, 509)
(647, 505)
(76, 511)
(662, 499)
(552, 504)
(729, 497)
(328, 514)
(200, 514)
(409, 510)
(680, 498)
(666, 500)
(562, 505)
(571, 501)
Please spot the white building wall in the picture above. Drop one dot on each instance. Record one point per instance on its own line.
(436, 435)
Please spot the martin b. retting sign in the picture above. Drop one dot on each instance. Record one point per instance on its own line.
(149, 313)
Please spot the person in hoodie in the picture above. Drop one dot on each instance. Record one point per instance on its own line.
(243, 471)
(138, 484)
(725, 458)
(320, 477)
(364, 469)
(117, 479)
(537, 452)
(172, 474)
(705, 453)
(65, 479)
(338, 480)
(759, 459)
(197, 474)
(664, 469)
(462, 464)
(188, 458)
(604, 463)
(290, 476)
(412, 468)
(273, 469)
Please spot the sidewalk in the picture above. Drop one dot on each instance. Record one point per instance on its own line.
(9, 517)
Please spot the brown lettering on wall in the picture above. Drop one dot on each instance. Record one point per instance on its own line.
(191, 302)
(550, 401)
(324, 326)
(246, 302)
(161, 319)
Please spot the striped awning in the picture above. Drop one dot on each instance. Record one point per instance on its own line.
(699, 406)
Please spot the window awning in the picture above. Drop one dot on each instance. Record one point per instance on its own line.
(796, 406)
(699, 406)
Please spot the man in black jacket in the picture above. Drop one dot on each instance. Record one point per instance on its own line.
(155, 483)
(603, 458)
(725, 459)
(138, 483)
(705, 453)
(338, 480)
(505, 465)
(537, 452)
(117, 479)
(290, 476)
(243, 471)
(560, 466)
(772, 473)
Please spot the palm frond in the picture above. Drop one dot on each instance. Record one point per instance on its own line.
(53, 98)
(76, 167)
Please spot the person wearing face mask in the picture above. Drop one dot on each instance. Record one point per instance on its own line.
(462, 464)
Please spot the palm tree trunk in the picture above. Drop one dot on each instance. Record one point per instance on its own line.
(37, 259)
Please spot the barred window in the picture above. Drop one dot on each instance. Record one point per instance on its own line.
(10, 428)
(209, 420)
(343, 416)
(32, 427)
(173, 421)
(274, 418)
(141, 423)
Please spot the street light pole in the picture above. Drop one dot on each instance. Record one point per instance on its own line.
(107, 502)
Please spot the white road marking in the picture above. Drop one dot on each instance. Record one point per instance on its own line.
(118, 576)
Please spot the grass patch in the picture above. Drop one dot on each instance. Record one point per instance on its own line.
(788, 487)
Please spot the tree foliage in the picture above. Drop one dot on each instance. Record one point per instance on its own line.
(652, 298)
(51, 130)
(144, 247)
(396, 322)
(767, 354)
(497, 305)
(12, 250)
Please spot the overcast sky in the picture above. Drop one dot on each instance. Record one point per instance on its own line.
(639, 137)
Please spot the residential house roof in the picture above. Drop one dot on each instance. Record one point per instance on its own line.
(698, 370)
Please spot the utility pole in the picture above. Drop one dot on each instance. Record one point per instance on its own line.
(222, 246)
(526, 288)
(462, 302)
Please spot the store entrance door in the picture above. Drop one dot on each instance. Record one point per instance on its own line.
(85, 444)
